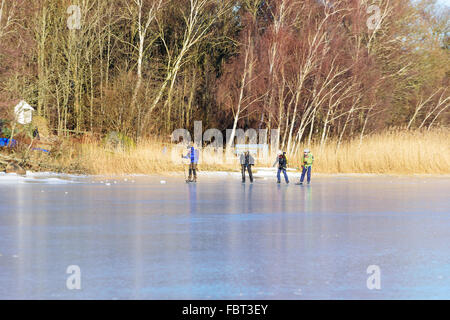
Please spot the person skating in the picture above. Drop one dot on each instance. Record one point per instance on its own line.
(193, 156)
(247, 161)
(307, 162)
(282, 166)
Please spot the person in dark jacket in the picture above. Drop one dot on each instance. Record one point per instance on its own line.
(247, 161)
(282, 166)
(193, 156)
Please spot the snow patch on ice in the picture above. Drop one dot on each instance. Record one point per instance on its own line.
(258, 172)
(31, 177)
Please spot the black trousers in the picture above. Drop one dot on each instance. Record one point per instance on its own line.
(193, 169)
(249, 169)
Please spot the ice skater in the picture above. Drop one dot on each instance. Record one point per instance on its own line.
(307, 162)
(282, 166)
(193, 156)
(247, 161)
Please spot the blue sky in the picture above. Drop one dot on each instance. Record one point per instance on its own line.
(447, 2)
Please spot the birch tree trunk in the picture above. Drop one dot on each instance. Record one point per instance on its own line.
(241, 93)
(142, 33)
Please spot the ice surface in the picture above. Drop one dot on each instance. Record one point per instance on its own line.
(220, 239)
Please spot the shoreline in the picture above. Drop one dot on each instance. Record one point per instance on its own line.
(259, 172)
(384, 154)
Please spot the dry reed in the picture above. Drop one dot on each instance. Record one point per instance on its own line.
(394, 152)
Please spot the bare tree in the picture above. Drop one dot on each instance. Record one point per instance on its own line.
(7, 17)
(197, 24)
(441, 105)
(143, 24)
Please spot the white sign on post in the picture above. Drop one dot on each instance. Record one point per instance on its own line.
(23, 112)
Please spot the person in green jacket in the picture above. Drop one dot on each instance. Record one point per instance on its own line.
(307, 162)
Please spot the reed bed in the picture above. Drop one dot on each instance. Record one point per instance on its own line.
(393, 152)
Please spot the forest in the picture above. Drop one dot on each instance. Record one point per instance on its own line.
(319, 71)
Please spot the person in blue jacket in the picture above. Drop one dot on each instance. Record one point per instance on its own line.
(193, 156)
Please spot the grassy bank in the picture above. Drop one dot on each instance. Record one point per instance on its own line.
(399, 152)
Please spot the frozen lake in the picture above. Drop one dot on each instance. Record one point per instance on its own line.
(220, 239)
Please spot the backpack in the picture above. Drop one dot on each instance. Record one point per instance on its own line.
(282, 161)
